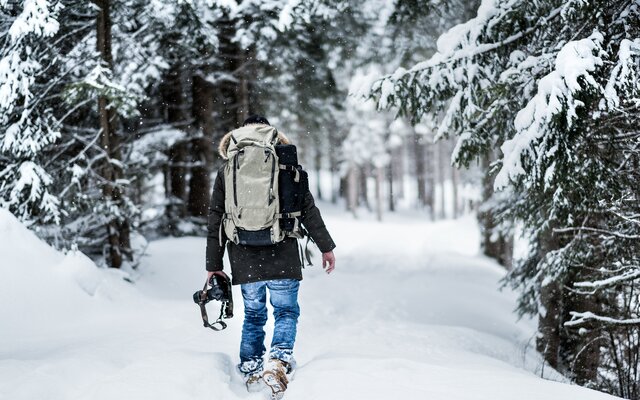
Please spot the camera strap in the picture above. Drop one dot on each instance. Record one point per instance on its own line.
(219, 324)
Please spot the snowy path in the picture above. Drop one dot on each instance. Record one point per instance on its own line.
(414, 320)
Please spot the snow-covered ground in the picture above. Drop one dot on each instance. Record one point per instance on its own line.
(410, 313)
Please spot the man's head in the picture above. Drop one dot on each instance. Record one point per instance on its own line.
(256, 119)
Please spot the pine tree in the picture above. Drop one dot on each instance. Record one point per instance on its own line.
(281, 59)
(112, 72)
(181, 104)
(28, 125)
(554, 84)
(89, 77)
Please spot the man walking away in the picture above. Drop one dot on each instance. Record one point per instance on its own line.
(262, 244)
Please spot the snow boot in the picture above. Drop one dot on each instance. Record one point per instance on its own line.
(275, 377)
(251, 373)
(254, 382)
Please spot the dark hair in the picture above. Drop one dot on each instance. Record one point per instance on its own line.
(256, 119)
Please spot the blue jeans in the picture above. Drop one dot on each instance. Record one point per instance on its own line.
(284, 299)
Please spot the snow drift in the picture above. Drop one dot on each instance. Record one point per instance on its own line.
(403, 319)
(42, 289)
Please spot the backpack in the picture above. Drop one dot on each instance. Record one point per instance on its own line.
(264, 188)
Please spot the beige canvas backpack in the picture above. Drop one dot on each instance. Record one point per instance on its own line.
(251, 187)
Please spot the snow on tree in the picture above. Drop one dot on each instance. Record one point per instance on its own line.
(61, 79)
(554, 85)
(27, 125)
(366, 144)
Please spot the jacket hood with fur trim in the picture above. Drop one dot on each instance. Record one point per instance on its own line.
(224, 142)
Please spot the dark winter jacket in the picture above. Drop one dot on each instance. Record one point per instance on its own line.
(252, 264)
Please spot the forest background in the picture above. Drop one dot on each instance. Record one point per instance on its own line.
(525, 113)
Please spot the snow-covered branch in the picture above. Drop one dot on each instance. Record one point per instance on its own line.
(597, 230)
(466, 51)
(557, 96)
(630, 274)
(582, 318)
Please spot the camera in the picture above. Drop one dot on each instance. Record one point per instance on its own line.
(216, 291)
(218, 287)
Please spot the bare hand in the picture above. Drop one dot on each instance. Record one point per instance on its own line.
(209, 275)
(328, 261)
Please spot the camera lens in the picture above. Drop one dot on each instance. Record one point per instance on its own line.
(196, 296)
(216, 293)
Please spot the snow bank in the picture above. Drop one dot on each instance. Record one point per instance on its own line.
(411, 312)
(42, 288)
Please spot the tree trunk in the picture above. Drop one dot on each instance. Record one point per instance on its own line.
(343, 188)
(399, 156)
(550, 312)
(418, 148)
(247, 103)
(335, 186)
(364, 189)
(199, 181)
(455, 178)
(548, 340)
(392, 201)
(176, 171)
(318, 165)
(485, 216)
(400, 168)
(243, 98)
(379, 198)
(582, 346)
(506, 251)
(334, 165)
(585, 347)
(201, 148)
(442, 166)
(430, 194)
(118, 238)
(226, 90)
(352, 189)
(494, 244)
(177, 180)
